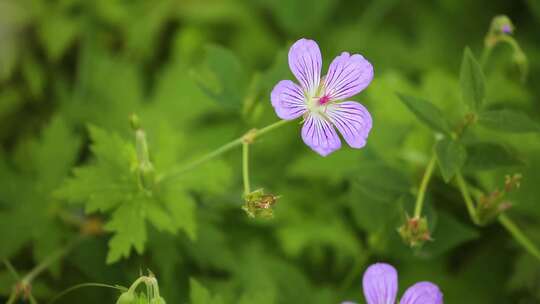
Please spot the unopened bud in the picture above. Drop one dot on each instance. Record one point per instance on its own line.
(127, 297)
(415, 231)
(502, 25)
(491, 205)
(259, 204)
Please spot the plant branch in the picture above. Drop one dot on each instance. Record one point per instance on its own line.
(245, 167)
(423, 186)
(462, 185)
(255, 133)
(519, 236)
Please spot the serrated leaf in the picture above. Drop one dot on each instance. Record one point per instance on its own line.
(472, 81)
(508, 121)
(451, 156)
(426, 112)
(222, 77)
(111, 183)
(128, 224)
(181, 210)
(200, 295)
(55, 152)
(489, 156)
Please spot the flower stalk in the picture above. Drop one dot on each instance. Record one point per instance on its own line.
(252, 134)
(423, 186)
(518, 235)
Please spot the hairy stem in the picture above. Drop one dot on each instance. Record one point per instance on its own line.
(462, 185)
(245, 167)
(519, 236)
(423, 186)
(72, 288)
(219, 151)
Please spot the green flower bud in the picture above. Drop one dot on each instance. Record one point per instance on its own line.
(127, 297)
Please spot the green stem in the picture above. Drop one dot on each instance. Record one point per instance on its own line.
(11, 269)
(260, 132)
(462, 185)
(12, 297)
(519, 236)
(245, 167)
(423, 186)
(225, 148)
(72, 288)
(55, 256)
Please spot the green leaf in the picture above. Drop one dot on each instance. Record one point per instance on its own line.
(449, 234)
(426, 112)
(128, 224)
(111, 183)
(489, 156)
(508, 121)
(57, 33)
(451, 156)
(472, 81)
(200, 295)
(55, 152)
(222, 77)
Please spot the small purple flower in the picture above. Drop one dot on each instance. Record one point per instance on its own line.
(380, 285)
(320, 100)
(507, 29)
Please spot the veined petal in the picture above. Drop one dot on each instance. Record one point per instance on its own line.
(288, 100)
(347, 76)
(380, 284)
(305, 63)
(352, 120)
(320, 135)
(422, 293)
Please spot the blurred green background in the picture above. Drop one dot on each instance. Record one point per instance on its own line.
(199, 74)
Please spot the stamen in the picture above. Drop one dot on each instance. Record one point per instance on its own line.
(324, 99)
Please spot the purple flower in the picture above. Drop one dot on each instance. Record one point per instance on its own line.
(380, 285)
(507, 29)
(320, 100)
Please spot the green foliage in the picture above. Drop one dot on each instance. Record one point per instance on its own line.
(112, 184)
(222, 77)
(451, 156)
(426, 112)
(200, 295)
(508, 121)
(489, 156)
(472, 80)
(199, 74)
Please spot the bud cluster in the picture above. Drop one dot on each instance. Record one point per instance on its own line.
(259, 204)
(493, 204)
(415, 231)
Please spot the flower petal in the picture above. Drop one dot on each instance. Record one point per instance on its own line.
(352, 120)
(347, 76)
(380, 284)
(320, 135)
(305, 63)
(422, 293)
(288, 100)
